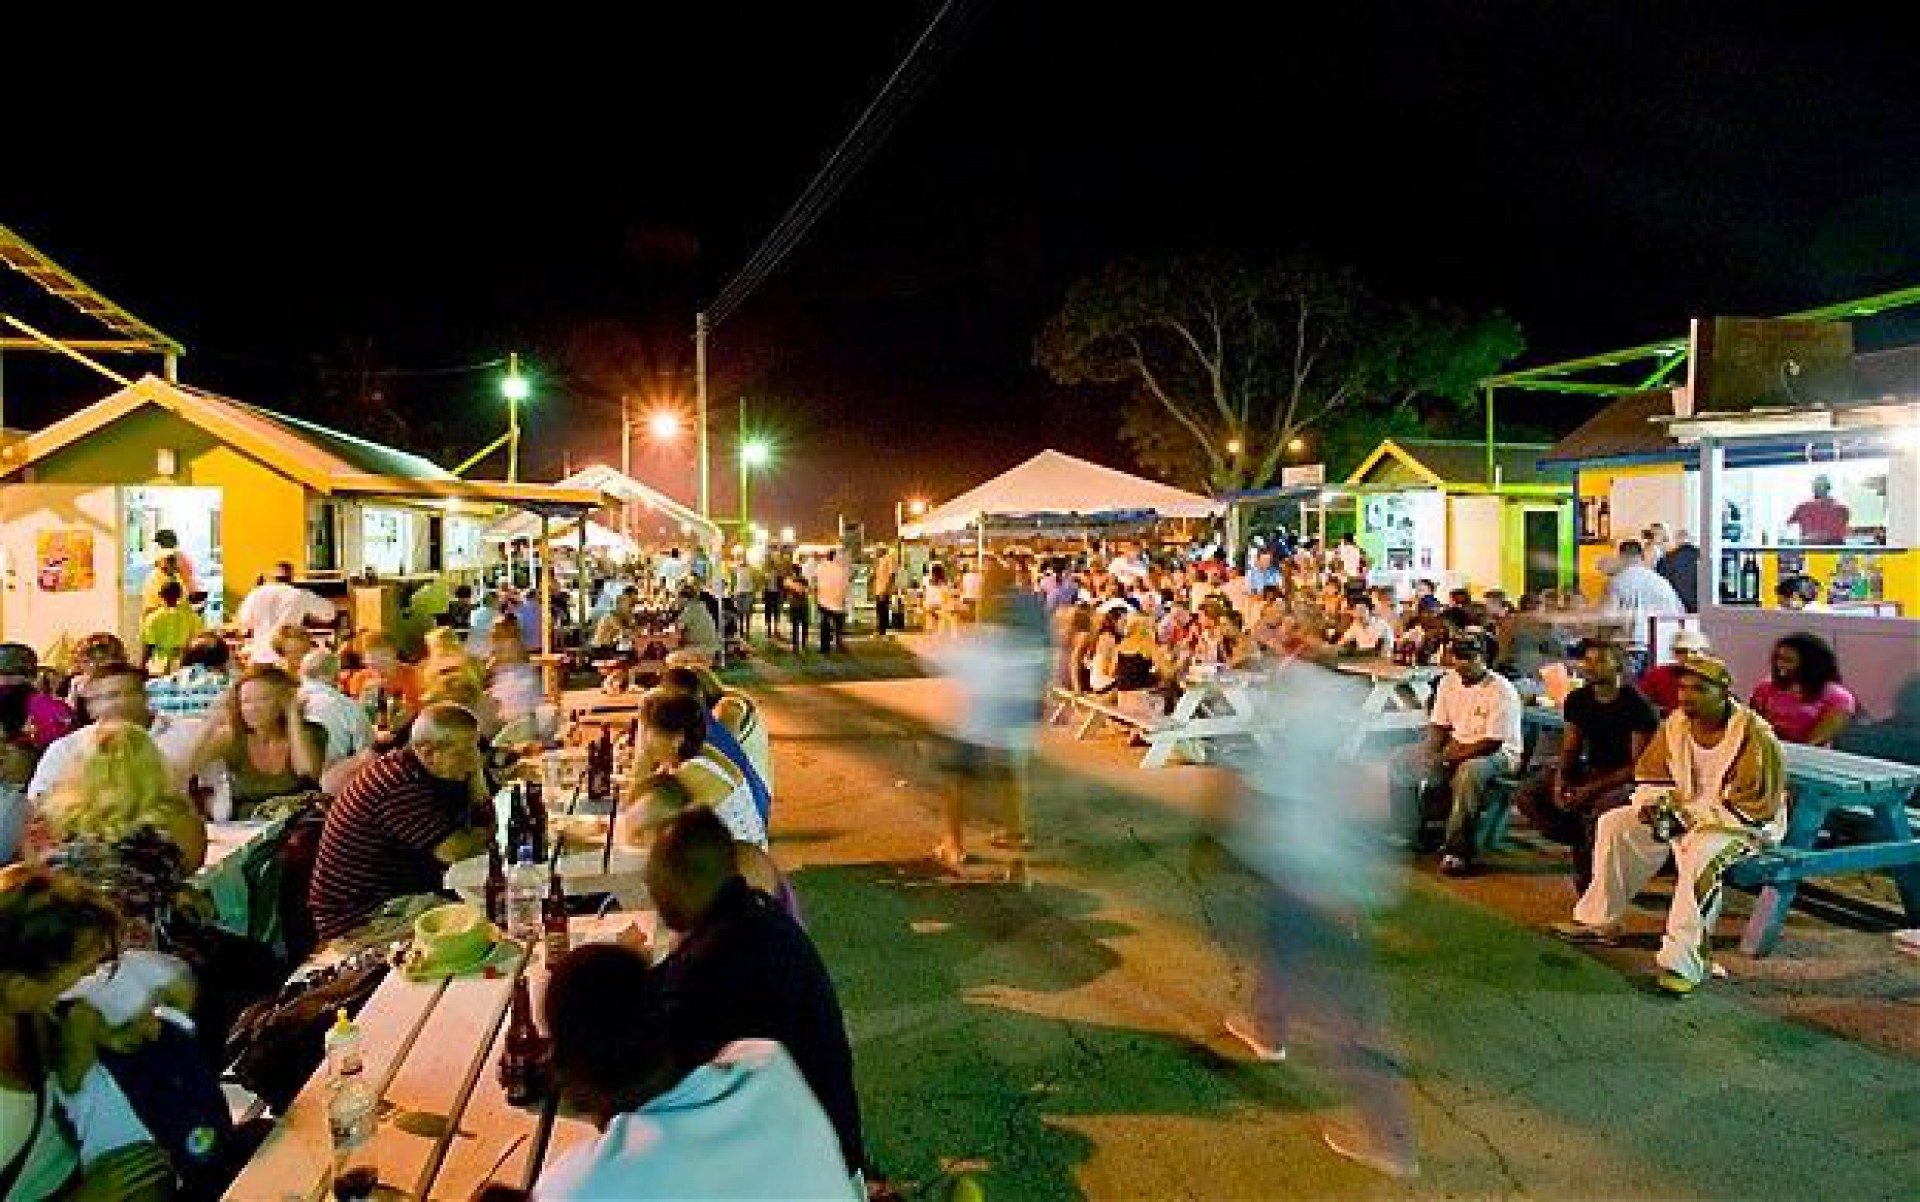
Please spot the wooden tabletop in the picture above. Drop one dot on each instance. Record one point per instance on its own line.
(432, 1051)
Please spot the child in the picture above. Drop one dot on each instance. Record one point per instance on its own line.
(166, 631)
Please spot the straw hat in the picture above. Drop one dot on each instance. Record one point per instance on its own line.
(450, 940)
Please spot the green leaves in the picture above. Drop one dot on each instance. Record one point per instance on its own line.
(1225, 360)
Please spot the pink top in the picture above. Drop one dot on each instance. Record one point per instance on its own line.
(49, 717)
(1791, 715)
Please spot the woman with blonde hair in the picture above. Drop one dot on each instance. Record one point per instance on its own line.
(265, 742)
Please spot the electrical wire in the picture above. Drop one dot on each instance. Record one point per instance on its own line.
(333, 368)
(934, 47)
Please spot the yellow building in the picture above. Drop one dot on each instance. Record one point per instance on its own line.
(242, 488)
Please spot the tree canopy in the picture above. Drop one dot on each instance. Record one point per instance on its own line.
(1226, 360)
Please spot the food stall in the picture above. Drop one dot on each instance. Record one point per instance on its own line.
(1426, 511)
(244, 488)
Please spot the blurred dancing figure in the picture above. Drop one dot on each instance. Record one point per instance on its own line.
(999, 669)
(1312, 824)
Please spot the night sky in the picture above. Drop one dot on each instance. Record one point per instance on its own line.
(433, 187)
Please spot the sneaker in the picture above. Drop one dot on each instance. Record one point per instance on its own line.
(1243, 1028)
(1451, 865)
(1580, 932)
(1675, 985)
(1360, 1149)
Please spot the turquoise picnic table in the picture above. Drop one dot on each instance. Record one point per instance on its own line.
(1824, 783)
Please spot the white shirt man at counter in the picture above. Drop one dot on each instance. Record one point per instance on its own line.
(1636, 593)
(1474, 737)
(275, 604)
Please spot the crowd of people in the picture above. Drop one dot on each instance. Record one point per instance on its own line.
(114, 766)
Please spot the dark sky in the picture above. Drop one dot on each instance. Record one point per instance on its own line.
(442, 184)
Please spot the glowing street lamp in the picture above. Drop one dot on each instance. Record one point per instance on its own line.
(754, 453)
(786, 535)
(1296, 445)
(1233, 446)
(663, 426)
(516, 389)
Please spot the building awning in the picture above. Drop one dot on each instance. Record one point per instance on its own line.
(327, 461)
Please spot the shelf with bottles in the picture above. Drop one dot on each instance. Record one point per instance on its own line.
(1815, 548)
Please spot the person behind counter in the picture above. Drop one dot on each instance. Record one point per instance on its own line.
(1821, 520)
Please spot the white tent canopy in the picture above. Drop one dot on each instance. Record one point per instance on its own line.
(653, 503)
(1056, 484)
(565, 535)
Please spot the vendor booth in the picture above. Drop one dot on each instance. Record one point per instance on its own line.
(242, 489)
(646, 516)
(1060, 496)
(1426, 510)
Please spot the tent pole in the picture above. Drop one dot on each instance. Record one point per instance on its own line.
(582, 575)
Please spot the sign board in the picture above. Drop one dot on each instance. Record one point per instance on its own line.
(1739, 364)
(1306, 473)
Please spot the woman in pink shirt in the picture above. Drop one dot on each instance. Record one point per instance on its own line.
(1804, 702)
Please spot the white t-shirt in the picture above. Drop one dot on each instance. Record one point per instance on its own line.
(273, 605)
(744, 1125)
(1375, 634)
(1637, 593)
(1349, 556)
(1488, 710)
(1710, 764)
(61, 759)
(349, 731)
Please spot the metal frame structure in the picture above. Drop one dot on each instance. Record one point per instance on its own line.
(1575, 377)
(134, 335)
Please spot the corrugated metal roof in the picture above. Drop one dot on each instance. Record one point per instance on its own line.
(1624, 428)
(1462, 461)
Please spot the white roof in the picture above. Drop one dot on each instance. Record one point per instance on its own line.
(564, 535)
(1053, 482)
(617, 484)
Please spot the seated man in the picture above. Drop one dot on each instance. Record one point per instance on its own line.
(1366, 633)
(744, 970)
(1608, 723)
(1712, 781)
(740, 1123)
(1473, 738)
(401, 820)
(1661, 683)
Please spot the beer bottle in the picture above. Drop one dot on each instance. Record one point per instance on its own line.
(496, 885)
(536, 804)
(516, 814)
(553, 919)
(521, 1060)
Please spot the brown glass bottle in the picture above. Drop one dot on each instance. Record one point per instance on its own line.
(523, 1059)
(553, 920)
(496, 885)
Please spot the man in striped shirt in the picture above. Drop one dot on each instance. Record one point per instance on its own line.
(401, 820)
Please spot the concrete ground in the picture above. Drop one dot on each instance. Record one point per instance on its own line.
(1063, 1040)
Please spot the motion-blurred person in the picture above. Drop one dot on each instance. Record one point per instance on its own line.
(1326, 869)
(276, 603)
(1000, 674)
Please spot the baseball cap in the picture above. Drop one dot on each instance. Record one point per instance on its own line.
(1691, 640)
(1708, 669)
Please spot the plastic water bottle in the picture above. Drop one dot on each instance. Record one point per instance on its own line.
(343, 1049)
(352, 1112)
(526, 891)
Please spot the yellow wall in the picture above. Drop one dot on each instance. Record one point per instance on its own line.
(1598, 483)
(262, 513)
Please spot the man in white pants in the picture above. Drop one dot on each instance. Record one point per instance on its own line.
(1711, 788)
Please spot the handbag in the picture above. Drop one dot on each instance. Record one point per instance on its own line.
(277, 1044)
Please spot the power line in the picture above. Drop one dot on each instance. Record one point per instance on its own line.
(932, 50)
(327, 365)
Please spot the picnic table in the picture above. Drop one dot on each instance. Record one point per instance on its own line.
(432, 1049)
(1399, 698)
(1824, 782)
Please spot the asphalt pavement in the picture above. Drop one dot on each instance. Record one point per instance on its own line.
(1061, 1037)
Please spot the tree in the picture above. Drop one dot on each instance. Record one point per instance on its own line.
(1228, 360)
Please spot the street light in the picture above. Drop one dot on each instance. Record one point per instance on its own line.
(664, 426)
(1296, 445)
(1233, 446)
(917, 507)
(515, 389)
(754, 453)
(786, 535)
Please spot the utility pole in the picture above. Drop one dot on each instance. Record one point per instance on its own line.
(515, 389)
(740, 453)
(700, 331)
(626, 463)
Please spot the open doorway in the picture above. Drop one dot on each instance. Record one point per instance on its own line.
(192, 517)
(1541, 534)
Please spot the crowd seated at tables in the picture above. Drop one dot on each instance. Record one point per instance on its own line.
(379, 770)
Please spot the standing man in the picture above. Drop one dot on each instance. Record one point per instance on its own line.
(1637, 593)
(1821, 519)
(830, 585)
(1473, 738)
(1608, 723)
(1712, 789)
(1349, 555)
(278, 603)
(886, 572)
(1680, 567)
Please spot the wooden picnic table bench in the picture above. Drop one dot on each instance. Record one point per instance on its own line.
(432, 1052)
(1824, 782)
